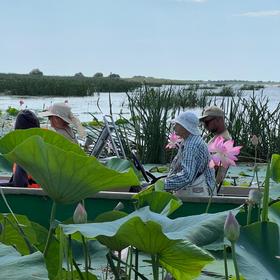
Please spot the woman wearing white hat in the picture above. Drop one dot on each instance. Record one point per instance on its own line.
(190, 173)
(61, 118)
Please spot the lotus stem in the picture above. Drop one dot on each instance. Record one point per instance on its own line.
(225, 262)
(51, 229)
(249, 214)
(17, 226)
(235, 261)
(85, 255)
(119, 261)
(209, 203)
(155, 265)
(136, 262)
(266, 195)
(70, 256)
(130, 261)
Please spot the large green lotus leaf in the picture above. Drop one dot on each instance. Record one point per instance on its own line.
(14, 138)
(201, 229)
(154, 234)
(114, 243)
(12, 236)
(188, 261)
(274, 213)
(257, 249)
(13, 266)
(65, 176)
(159, 202)
(275, 167)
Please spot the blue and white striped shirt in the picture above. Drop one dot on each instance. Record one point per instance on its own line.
(191, 161)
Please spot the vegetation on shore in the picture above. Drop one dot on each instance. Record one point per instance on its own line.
(148, 127)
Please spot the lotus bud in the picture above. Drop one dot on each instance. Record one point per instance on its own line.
(231, 228)
(80, 215)
(119, 206)
(255, 140)
(21, 102)
(255, 196)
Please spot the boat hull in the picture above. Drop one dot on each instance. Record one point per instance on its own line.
(36, 205)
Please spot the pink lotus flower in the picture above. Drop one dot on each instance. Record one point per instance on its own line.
(173, 141)
(80, 215)
(223, 153)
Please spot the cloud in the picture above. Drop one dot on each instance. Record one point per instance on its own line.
(260, 14)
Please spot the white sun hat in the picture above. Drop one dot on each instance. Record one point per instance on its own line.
(63, 111)
(189, 121)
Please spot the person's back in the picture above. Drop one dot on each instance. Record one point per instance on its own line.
(25, 120)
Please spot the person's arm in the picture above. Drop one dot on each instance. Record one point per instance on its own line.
(188, 173)
(20, 178)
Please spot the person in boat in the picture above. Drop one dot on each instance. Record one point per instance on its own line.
(190, 173)
(61, 119)
(25, 119)
(213, 119)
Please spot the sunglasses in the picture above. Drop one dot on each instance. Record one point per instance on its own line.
(208, 121)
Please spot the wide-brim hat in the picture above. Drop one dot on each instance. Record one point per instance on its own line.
(212, 111)
(63, 111)
(189, 121)
(60, 110)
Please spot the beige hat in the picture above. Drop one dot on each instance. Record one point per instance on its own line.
(63, 111)
(212, 111)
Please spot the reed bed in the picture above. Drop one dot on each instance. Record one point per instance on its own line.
(151, 110)
(252, 116)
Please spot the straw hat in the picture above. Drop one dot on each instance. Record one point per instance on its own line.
(189, 121)
(212, 111)
(63, 111)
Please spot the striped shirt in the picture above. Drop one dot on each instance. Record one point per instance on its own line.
(191, 161)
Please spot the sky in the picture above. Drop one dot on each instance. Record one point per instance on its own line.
(175, 39)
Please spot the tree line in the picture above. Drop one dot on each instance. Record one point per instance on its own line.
(37, 84)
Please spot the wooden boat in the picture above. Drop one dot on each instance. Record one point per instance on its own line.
(36, 205)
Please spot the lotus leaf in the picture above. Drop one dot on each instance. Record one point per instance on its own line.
(275, 168)
(114, 243)
(16, 267)
(159, 202)
(14, 138)
(274, 213)
(257, 249)
(155, 233)
(12, 236)
(66, 176)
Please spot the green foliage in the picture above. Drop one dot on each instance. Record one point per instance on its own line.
(36, 72)
(12, 111)
(257, 249)
(275, 167)
(159, 201)
(15, 266)
(155, 234)
(252, 116)
(251, 87)
(53, 166)
(151, 109)
(38, 85)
